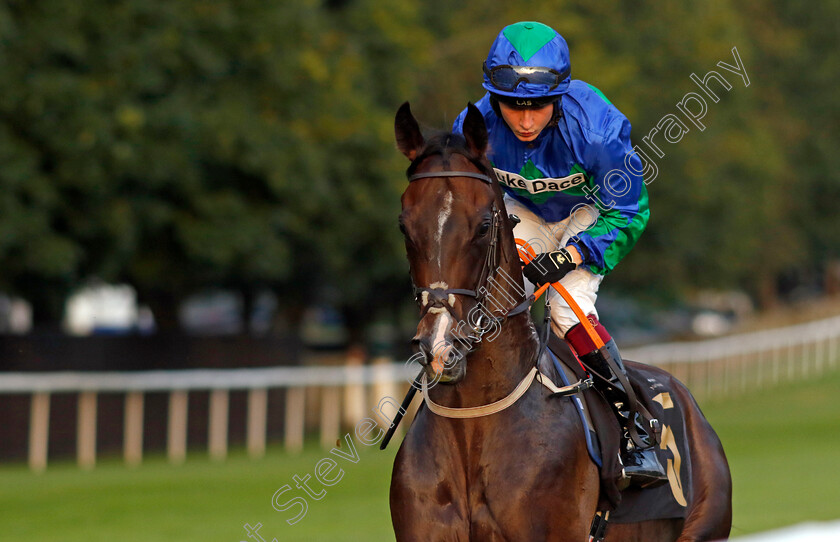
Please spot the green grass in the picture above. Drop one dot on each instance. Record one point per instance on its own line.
(198, 501)
(783, 446)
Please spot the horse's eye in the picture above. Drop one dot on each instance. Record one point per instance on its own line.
(483, 229)
(402, 228)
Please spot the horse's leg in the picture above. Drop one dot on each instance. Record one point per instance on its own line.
(425, 507)
(415, 519)
(710, 513)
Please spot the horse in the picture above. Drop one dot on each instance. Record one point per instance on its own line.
(520, 473)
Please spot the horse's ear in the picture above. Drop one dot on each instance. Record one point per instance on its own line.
(475, 131)
(409, 139)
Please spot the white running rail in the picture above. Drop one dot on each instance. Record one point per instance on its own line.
(343, 395)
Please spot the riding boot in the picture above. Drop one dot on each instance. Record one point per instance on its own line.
(641, 465)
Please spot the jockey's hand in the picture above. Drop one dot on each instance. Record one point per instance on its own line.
(549, 267)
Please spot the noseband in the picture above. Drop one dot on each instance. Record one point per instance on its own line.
(443, 299)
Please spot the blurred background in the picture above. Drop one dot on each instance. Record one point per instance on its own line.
(214, 185)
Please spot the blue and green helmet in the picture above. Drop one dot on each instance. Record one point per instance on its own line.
(528, 60)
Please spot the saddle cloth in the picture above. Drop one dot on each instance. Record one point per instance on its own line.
(602, 433)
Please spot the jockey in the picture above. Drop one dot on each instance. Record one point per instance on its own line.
(563, 156)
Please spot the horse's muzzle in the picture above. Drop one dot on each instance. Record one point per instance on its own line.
(446, 364)
(443, 359)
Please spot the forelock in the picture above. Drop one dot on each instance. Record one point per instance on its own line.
(445, 144)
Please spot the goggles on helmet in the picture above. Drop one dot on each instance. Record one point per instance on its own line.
(506, 77)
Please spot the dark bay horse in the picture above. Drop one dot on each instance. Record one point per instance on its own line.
(522, 473)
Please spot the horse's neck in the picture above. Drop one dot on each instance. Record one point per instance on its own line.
(504, 361)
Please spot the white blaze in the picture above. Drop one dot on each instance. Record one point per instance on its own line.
(441, 327)
(442, 218)
(440, 338)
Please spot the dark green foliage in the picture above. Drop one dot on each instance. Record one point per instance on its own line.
(184, 145)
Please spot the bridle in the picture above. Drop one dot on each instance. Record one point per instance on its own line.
(440, 299)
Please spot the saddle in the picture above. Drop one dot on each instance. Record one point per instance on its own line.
(603, 437)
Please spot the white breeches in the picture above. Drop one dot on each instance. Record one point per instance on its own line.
(544, 236)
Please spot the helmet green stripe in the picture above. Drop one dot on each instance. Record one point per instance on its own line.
(528, 37)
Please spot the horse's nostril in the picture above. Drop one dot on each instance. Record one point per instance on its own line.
(422, 346)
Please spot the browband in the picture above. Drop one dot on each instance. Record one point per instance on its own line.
(479, 176)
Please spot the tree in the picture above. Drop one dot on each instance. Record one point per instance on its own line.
(178, 147)
(245, 145)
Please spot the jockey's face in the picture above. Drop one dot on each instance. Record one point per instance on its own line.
(526, 123)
